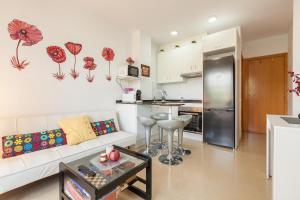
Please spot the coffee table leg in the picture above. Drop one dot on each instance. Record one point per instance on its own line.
(61, 185)
(149, 180)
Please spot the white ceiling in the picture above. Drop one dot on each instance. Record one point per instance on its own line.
(258, 18)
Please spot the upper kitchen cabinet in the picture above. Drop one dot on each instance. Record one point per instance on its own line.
(169, 66)
(172, 63)
(220, 41)
(192, 57)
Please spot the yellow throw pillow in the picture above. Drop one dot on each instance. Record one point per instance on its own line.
(77, 129)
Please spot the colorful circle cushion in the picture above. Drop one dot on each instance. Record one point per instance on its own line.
(19, 144)
(104, 127)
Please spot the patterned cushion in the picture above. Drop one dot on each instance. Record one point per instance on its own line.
(104, 127)
(19, 144)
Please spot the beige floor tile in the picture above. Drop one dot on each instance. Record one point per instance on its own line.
(209, 173)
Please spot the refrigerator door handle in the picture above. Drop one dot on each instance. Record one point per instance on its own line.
(230, 109)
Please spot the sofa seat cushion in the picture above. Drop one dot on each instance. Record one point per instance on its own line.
(90, 144)
(112, 138)
(23, 162)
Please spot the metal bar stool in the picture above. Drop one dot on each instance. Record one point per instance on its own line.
(148, 123)
(171, 126)
(159, 117)
(180, 150)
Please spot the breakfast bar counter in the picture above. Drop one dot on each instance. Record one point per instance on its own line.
(153, 102)
(282, 160)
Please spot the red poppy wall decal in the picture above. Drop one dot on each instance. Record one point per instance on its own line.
(296, 80)
(58, 55)
(130, 61)
(75, 50)
(108, 54)
(89, 65)
(26, 33)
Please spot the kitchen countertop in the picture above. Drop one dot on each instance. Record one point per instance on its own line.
(167, 104)
(277, 121)
(175, 102)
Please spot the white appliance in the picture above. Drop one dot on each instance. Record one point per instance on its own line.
(128, 70)
(129, 98)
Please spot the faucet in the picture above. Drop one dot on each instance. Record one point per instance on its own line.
(163, 95)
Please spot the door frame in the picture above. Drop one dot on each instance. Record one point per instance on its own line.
(245, 62)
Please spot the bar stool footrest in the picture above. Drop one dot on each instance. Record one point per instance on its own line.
(175, 160)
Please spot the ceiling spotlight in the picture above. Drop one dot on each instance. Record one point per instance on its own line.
(212, 19)
(174, 33)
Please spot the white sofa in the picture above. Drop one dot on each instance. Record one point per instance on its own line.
(21, 170)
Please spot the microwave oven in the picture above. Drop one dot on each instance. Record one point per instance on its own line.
(129, 70)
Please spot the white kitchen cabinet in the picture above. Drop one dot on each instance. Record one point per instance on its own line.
(172, 63)
(169, 64)
(162, 64)
(192, 57)
(220, 40)
(128, 124)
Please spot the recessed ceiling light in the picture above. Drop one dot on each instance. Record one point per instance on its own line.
(212, 19)
(174, 33)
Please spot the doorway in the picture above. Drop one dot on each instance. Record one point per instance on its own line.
(264, 90)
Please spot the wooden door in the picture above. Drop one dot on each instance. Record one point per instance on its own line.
(264, 90)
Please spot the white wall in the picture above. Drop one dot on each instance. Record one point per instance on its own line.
(296, 51)
(290, 67)
(34, 90)
(144, 52)
(154, 50)
(266, 46)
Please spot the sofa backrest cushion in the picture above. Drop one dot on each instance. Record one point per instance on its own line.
(14, 145)
(78, 129)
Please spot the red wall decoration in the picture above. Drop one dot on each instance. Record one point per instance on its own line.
(75, 50)
(108, 54)
(58, 55)
(89, 65)
(26, 33)
(296, 80)
(29, 35)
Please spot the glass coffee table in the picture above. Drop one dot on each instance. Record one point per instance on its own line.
(105, 178)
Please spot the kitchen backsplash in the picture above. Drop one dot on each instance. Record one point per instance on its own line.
(190, 89)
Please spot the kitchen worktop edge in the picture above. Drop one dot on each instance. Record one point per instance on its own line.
(147, 102)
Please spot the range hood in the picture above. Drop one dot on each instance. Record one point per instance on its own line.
(191, 74)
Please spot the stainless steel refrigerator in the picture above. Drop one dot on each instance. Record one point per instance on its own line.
(219, 101)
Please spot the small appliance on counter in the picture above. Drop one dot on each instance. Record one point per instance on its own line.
(129, 97)
(128, 70)
(138, 95)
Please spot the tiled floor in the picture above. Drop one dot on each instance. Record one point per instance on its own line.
(210, 173)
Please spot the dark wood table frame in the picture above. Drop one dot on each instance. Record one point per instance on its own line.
(96, 194)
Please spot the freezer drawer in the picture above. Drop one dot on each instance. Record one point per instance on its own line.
(219, 127)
